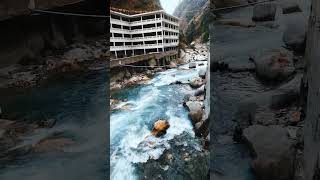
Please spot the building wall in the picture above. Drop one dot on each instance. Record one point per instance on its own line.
(142, 33)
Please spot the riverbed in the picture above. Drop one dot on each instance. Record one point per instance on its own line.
(160, 98)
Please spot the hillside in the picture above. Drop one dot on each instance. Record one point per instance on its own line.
(138, 5)
(195, 15)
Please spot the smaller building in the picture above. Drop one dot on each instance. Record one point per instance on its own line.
(153, 32)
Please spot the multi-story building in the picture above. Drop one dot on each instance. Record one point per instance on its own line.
(144, 33)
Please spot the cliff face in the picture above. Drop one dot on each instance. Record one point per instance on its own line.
(195, 17)
(137, 5)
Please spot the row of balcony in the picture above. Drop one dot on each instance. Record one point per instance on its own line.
(122, 39)
(143, 30)
(141, 46)
(142, 21)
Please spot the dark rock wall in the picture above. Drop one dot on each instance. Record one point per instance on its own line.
(312, 124)
(25, 39)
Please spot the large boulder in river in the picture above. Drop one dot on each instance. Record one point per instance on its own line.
(264, 12)
(196, 82)
(160, 128)
(294, 35)
(273, 152)
(195, 111)
(290, 7)
(274, 64)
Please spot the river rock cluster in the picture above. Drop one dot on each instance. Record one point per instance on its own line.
(260, 89)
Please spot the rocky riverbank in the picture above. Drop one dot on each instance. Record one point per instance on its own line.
(78, 57)
(259, 94)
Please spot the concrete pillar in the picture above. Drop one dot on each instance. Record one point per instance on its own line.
(116, 54)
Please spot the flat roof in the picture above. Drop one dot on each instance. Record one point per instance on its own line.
(143, 14)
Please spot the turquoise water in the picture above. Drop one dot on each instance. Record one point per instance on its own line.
(130, 129)
(79, 104)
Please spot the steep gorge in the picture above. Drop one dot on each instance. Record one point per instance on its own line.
(195, 17)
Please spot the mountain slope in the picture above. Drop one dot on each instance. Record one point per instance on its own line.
(195, 17)
(137, 5)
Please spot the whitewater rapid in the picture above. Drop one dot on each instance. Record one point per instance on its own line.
(130, 129)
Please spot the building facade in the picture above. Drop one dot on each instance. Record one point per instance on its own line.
(141, 34)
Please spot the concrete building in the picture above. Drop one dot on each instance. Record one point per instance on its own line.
(153, 32)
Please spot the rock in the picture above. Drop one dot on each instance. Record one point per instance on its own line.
(173, 65)
(4, 125)
(237, 22)
(274, 64)
(200, 91)
(202, 73)
(61, 66)
(196, 82)
(51, 145)
(192, 65)
(47, 123)
(195, 111)
(264, 12)
(273, 152)
(78, 54)
(294, 36)
(152, 62)
(160, 128)
(290, 7)
(117, 76)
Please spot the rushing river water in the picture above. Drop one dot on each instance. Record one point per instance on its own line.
(79, 103)
(130, 129)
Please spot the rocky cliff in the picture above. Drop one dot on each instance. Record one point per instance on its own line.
(138, 5)
(195, 15)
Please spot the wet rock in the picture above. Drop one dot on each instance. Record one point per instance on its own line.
(4, 125)
(200, 91)
(290, 7)
(202, 72)
(184, 160)
(63, 66)
(117, 76)
(47, 123)
(51, 145)
(259, 109)
(196, 82)
(78, 54)
(237, 22)
(160, 128)
(274, 64)
(273, 152)
(294, 36)
(172, 65)
(264, 12)
(195, 111)
(192, 65)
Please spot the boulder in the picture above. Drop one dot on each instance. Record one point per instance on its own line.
(47, 123)
(160, 128)
(290, 7)
(264, 12)
(272, 150)
(195, 111)
(200, 91)
(294, 36)
(173, 65)
(196, 82)
(192, 65)
(274, 64)
(51, 145)
(78, 54)
(202, 72)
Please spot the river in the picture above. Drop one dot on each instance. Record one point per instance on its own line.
(160, 98)
(79, 103)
